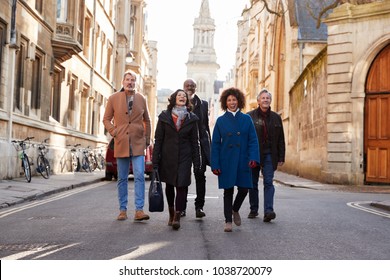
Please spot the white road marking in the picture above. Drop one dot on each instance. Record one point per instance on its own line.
(41, 251)
(358, 205)
(55, 251)
(23, 254)
(142, 250)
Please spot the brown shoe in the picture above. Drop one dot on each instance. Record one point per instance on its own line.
(176, 221)
(171, 215)
(236, 218)
(140, 215)
(228, 227)
(122, 215)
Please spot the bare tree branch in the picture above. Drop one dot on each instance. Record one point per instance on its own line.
(269, 10)
(266, 5)
(317, 16)
(325, 10)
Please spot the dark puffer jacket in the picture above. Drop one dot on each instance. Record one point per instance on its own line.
(276, 136)
(175, 151)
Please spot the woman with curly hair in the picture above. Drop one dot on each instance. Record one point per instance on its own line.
(234, 151)
(176, 148)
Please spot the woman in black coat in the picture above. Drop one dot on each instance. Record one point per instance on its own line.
(176, 148)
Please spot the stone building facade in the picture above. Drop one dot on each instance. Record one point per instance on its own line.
(60, 61)
(328, 85)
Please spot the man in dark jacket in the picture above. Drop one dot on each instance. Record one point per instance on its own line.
(201, 108)
(269, 129)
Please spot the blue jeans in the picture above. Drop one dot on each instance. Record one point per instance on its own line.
(269, 189)
(138, 163)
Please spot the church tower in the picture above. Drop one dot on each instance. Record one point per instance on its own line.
(202, 63)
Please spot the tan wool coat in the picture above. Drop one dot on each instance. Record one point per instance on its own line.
(133, 129)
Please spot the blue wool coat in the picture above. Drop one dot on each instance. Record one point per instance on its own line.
(234, 143)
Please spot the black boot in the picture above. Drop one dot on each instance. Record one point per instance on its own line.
(171, 215)
(176, 220)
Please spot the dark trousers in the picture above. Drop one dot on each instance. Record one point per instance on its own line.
(229, 205)
(254, 191)
(181, 197)
(200, 181)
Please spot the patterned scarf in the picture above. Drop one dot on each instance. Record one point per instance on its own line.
(265, 117)
(181, 113)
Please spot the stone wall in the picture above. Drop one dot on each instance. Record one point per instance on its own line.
(306, 135)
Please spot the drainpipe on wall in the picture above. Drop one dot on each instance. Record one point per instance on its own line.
(92, 52)
(301, 47)
(12, 58)
(91, 90)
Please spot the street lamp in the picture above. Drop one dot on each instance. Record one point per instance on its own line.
(129, 57)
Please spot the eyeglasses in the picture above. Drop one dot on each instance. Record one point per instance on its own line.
(130, 105)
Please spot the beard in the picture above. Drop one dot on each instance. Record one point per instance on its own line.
(129, 89)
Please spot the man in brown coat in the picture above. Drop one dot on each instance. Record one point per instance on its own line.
(127, 120)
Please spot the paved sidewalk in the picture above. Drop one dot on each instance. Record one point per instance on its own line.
(18, 190)
(298, 182)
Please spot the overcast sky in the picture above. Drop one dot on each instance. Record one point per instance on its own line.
(170, 24)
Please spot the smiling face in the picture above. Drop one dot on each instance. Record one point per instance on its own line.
(129, 83)
(190, 87)
(232, 103)
(181, 98)
(264, 101)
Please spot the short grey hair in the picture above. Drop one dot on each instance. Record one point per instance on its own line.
(264, 90)
(131, 73)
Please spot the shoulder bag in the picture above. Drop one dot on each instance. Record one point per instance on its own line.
(156, 196)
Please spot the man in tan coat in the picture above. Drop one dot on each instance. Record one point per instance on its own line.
(127, 120)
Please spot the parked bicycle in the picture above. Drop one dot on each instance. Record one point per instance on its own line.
(93, 163)
(75, 160)
(86, 161)
(21, 146)
(101, 161)
(43, 165)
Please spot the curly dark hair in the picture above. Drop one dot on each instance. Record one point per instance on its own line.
(172, 100)
(236, 93)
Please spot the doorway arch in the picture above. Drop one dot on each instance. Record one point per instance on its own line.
(377, 120)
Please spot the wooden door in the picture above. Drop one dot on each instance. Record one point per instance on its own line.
(377, 120)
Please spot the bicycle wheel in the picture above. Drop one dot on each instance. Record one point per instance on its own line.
(101, 162)
(26, 168)
(43, 166)
(75, 163)
(85, 164)
(92, 162)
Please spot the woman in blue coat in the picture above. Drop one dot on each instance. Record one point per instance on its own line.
(234, 151)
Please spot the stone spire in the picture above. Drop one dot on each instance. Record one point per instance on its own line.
(204, 9)
(202, 63)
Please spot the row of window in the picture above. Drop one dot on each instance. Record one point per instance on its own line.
(78, 109)
(38, 78)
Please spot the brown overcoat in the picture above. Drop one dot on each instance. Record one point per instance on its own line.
(133, 129)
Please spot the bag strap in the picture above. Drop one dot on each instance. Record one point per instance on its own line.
(156, 175)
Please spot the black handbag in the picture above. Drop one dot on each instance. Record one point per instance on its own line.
(156, 197)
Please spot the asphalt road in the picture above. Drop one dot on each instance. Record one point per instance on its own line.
(310, 225)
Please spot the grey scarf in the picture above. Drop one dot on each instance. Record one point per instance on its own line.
(181, 113)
